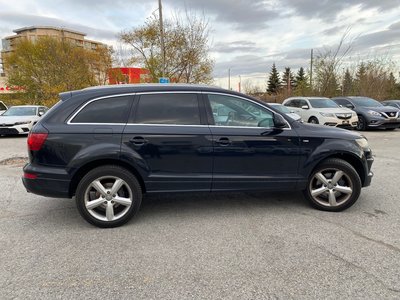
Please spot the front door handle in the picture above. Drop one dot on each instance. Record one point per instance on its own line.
(224, 141)
(138, 141)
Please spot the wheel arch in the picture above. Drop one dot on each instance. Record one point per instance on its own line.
(98, 163)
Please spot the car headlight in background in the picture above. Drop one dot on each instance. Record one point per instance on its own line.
(373, 113)
(22, 123)
(363, 143)
(327, 115)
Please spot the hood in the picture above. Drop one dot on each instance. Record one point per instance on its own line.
(335, 110)
(13, 119)
(388, 110)
(318, 130)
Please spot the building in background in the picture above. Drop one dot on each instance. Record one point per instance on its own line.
(128, 75)
(34, 32)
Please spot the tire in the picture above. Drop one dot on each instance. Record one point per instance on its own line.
(361, 124)
(313, 120)
(323, 193)
(102, 206)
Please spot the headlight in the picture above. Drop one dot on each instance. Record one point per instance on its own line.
(22, 123)
(328, 115)
(362, 142)
(374, 113)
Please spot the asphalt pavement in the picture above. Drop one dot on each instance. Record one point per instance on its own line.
(204, 246)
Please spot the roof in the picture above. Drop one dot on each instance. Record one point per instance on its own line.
(48, 27)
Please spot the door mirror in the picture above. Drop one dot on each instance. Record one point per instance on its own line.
(305, 107)
(279, 121)
(41, 113)
(349, 106)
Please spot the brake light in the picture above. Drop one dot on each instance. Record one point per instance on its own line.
(36, 141)
(30, 176)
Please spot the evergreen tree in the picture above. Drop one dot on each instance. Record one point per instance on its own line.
(302, 83)
(347, 84)
(274, 81)
(301, 75)
(288, 80)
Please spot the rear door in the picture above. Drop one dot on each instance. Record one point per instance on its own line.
(169, 139)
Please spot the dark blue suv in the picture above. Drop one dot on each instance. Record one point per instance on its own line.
(108, 145)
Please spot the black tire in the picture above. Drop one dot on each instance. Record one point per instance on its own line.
(313, 120)
(350, 177)
(131, 185)
(361, 124)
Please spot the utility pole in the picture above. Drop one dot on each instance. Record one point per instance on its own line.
(240, 84)
(162, 37)
(311, 67)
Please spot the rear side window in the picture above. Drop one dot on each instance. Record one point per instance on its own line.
(170, 109)
(2, 106)
(109, 110)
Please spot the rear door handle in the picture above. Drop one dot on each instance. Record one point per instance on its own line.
(224, 141)
(138, 140)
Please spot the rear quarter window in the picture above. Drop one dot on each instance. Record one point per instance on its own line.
(111, 110)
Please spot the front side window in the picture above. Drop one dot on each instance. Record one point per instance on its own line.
(233, 111)
(168, 109)
(110, 110)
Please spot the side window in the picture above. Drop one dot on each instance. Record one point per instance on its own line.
(295, 103)
(303, 103)
(344, 103)
(170, 109)
(2, 106)
(289, 103)
(109, 110)
(233, 111)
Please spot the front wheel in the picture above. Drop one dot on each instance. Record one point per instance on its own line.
(313, 120)
(333, 186)
(362, 123)
(108, 196)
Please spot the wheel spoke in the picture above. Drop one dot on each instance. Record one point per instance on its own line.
(109, 211)
(318, 191)
(123, 201)
(332, 198)
(344, 189)
(116, 186)
(337, 177)
(99, 187)
(94, 203)
(321, 178)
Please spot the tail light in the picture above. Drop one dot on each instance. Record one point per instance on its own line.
(36, 141)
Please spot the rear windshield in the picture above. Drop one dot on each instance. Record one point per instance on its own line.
(366, 102)
(323, 103)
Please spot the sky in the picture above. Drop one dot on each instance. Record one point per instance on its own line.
(246, 37)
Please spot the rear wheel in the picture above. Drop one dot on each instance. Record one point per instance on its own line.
(108, 196)
(362, 123)
(333, 186)
(313, 120)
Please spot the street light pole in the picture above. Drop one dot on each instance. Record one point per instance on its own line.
(162, 37)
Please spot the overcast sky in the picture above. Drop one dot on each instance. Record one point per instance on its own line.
(246, 36)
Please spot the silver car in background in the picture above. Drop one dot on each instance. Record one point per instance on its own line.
(20, 119)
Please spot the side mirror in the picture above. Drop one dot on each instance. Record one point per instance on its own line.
(41, 113)
(279, 121)
(349, 106)
(305, 107)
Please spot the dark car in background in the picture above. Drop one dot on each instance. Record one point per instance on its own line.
(393, 103)
(371, 113)
(108, 145)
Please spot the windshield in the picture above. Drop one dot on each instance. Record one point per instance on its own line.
(20, 111)
(365, 102)
(323, 103)
(282, 109)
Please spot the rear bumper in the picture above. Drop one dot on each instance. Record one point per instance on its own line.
(49, 182)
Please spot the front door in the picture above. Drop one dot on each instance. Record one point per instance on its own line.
(248, 152)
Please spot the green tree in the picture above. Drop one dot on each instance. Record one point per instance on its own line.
(302, 83)
(288, 79)
(347, 85)
(186, 48)
(274, 81)
(49, 66)
(301, 75)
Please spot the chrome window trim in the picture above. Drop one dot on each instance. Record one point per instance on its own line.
(69, 122)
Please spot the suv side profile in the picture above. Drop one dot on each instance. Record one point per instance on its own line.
(320, 110)
(107, 146)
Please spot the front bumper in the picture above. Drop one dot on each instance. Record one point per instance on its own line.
(342, 123)
(380, 122)
(49, 181)
(368, 174)
(15, 129)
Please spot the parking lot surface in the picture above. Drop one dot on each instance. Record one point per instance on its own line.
(204, 246)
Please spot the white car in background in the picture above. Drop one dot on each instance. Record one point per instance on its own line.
(20, 119)
(285, 110)
(3, 108)
(320, 110)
